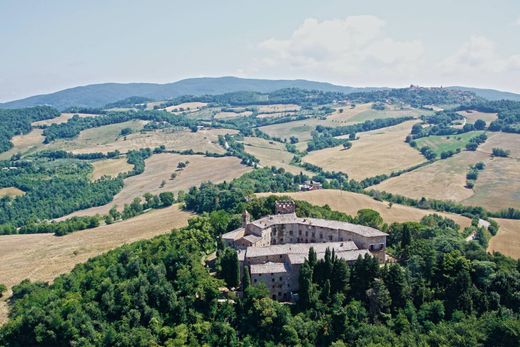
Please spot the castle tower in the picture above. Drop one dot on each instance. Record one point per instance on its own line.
(246, 218)
(284, 207)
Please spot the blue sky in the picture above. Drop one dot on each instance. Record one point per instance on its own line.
(52, 45)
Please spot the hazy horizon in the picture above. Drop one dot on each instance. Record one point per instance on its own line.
(57, 45)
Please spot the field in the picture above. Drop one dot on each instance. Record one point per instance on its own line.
(444, 179)
(43, 257)
(63, 118)
(11, 191)
(187, 106)
(90, 141)
(271, 153)
(507, 241)
(344, 115)
(506, 141)
(498, 186)
(110, 167)
(350, 203)
(364, 112)
(376, 152)
(441, 144)
(301, 128)
(25, 144)
(275, 108)
(159, 168)
(231, 115)
(471, 116)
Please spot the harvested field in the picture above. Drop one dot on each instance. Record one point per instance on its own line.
(363, 112)
(444, 179)
(276, 108)
(345, 113)
(376, 152)
(201, 141)
(301, 128)
(186, 106)
(150, 105)
(272, 153)
(445, 143)
(507, 241)
(25, 144)
(508, 141)
(110, 167)
(159, 167)
(43, 257)
(471, 116)
(63, 118)
(350, 203)
(275, 114)
(94, 139)
(498, 185)
(231, 115)
(11, 191)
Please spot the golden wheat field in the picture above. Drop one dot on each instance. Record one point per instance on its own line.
(11, 191)
(25, 144)
(186, 106)
(62, 118)
(507, 241)
(271, 153)
(160, 167)
(444, 179)
(110, 167)
(374, 153)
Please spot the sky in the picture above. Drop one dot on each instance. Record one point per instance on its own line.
(46, 46)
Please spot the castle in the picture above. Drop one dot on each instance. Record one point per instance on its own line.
(274, 247)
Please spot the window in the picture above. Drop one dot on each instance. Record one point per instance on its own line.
(280, 278)
(321, 236)
(290, 232)
(300, 232)
(255, 280)
(330, 237)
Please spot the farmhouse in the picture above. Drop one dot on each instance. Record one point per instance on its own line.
(274, 247)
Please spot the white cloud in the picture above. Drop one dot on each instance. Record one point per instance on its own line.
(479, 55)
(358, 50)
(342, 49)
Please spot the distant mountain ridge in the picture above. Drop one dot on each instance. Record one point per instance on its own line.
(98, 95)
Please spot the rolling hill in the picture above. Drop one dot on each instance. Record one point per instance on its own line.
(98, 95)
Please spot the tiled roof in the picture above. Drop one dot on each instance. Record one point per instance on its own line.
(268, 268)
(291, 218)
(299, 248)
(252, 238)
(234, 235)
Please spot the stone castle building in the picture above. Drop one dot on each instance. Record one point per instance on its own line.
(274, 247)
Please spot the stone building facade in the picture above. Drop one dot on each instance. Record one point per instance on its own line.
(274, 247)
